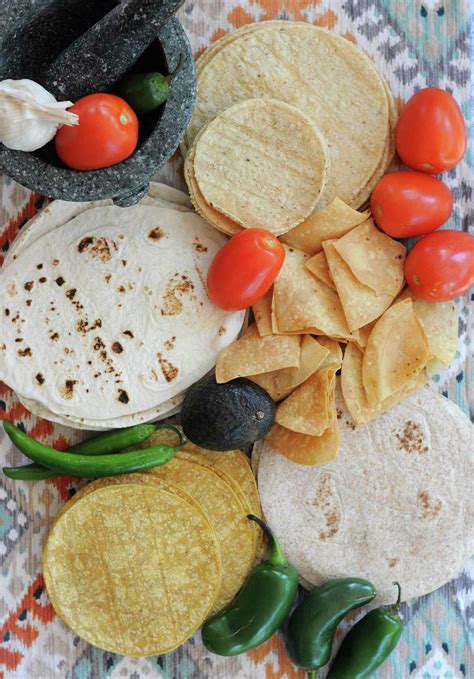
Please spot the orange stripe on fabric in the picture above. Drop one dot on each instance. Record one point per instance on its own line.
(27, 211)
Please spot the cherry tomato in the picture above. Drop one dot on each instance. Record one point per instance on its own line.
(441, 265)
(431, 133)
(244, 269)
(107, 133)
(408, 204)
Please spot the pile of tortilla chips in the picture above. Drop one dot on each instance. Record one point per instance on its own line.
(288, 116)
(339, 289)
(134, 564)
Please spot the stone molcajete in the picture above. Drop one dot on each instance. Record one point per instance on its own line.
(77, 47)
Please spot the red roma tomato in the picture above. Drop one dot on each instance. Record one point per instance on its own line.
(244, 269)
(408, 204)
(441, 265)
(107, 133)
(431, 133)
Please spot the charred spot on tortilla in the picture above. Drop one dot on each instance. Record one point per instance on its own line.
(56, 262)
(169, 344)
(12, 290)
(60, 281)
(83, 326)
(392, 561)
(6, 312)
(169, 371)
(121, 288)
(39, 266)
(39, 378)
(157, 233)
(29, 285)
(42, 279)
(67, 390)
(24, 352)
(70, 294)
(98, 248)
(327, 502)
(198, 246)
(108, 277)
(19, 339)
(29, 302)
(85, 243)
(175, 290)
(124, 262)
(221, 331)
(123, 396)
(117, 348)
(53, 336)
(429, 509)
(128, 333)
(411, 439)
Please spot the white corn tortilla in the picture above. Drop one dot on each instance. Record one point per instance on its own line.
(159, 294)
(396, 504)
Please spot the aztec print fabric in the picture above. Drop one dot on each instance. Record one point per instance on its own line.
(413, 43)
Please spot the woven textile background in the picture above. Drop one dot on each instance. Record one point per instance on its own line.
(414, 44)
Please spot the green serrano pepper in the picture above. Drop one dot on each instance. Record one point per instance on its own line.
(260, 607)
(369, 643)
(90, 466)
(146, 91)
(29, 472)
(314, 622)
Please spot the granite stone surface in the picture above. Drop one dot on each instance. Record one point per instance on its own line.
(37, 35)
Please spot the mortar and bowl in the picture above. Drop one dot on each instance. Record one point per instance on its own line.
(77, 47)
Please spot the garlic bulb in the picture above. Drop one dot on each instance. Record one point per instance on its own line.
(30, 115)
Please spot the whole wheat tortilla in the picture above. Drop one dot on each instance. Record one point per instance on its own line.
(396, 504)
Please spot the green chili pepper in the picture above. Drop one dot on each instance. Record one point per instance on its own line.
(313, 623)
(146, 91)
(369, 643)
(259, 608)
(88, 466)
(101, 444)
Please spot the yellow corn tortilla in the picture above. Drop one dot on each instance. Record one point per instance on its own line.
(360, 303)
(440, 323)
(318, 265)
(304, 449)
(255, 153)
(115, 573)
(335, 352)
(262, 311)
(354, 393)
(397, 351)
(280, 383)
(252, 354)
(308, 410)
(375, 259)
(333, 221)
(304, 304)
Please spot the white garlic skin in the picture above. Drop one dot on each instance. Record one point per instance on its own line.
(30, 115)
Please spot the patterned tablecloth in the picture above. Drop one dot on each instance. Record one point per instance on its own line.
(414, 44)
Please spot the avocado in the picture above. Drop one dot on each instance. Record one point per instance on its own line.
(226, 416)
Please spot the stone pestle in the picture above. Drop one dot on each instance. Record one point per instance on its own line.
(105, 52)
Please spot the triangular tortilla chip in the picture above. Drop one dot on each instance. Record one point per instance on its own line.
(303, 302)
(374, 258)
(335, 352)
(440, 322)
(308, 410)
(354, 393)
(262, 310)
(280, 383)
(360, 303)
(252, 355)
(303, 449)
(396, 352)
(318, 265)
(334, 221)
(364, 335)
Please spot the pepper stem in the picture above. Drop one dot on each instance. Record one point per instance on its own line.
(276, 558)
(170, 427)
(178, 68)
(312, 675)
(396, 605)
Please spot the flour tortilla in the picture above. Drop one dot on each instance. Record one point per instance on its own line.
(396, 504)
(324, 75)
(143, 375)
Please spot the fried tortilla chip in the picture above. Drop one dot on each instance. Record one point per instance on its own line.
(302, 303)
(280, 383)
(440, 322)
(308, 410)
(318, 265)
(397, 351)
(262, 311)
(374, 258)
(304, 449)
(334, 221)
(354, 392)
(252, 355)
(335, 352)
(360, 303)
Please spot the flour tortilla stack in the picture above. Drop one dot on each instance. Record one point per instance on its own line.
(396, 504)
(105, 319)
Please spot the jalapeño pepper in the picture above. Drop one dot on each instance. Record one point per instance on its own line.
(313, 623)
(146, 91)
(259, 608)
(369, 643)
